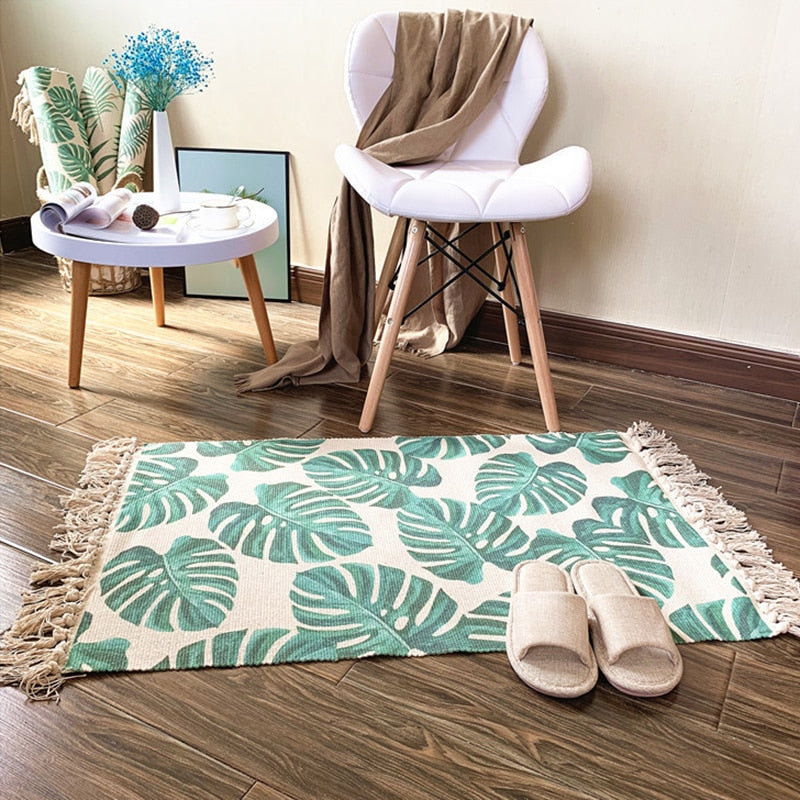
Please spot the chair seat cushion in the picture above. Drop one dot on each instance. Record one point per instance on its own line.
(471, 191)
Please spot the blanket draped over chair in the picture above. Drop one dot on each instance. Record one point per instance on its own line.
(447, 68)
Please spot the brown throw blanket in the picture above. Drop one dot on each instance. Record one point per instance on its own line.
(447, 68)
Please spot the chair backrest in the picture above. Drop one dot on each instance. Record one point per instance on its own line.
(500, 131)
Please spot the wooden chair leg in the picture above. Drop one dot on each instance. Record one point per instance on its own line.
(389, 266)
(509, 317)
(79, 299)
(247, 266)
(533, 324)
(157, 293)
(394, 319)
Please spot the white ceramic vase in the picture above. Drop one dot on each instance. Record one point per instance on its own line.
(165, 173)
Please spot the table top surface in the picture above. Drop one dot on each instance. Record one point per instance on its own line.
(151, 249)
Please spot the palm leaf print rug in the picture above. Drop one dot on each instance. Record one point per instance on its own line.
(219, 554)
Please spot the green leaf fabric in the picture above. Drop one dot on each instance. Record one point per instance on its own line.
(96, 135)
(405, 614)
(63, 140)
(134, 133)
(291, 524)
(256, 552)
(516, 483)
(190, 587)
(101, 103)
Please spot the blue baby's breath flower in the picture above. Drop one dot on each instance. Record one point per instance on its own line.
(162, 65)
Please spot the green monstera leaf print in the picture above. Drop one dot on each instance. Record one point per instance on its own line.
(55, 128)
(484, 627)
(227, 649)
(262, 456)
(645, 514)
(449, 446)
(359, 609)
(291, 524)
(164, 489)
(75, 161)
(108, 655)
(605, 447)
(624, 533)
(728, 621)
(644, 565)
(374, 477)
(513, 483)
(64, 101)
(454, 540)
(190, 588)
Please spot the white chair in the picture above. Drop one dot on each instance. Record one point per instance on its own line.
(479, 179)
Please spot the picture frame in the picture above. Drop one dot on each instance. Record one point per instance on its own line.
(264, 174)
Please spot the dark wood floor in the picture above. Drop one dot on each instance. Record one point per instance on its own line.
(439, 727)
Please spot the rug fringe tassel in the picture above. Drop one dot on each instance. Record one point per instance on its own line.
(34, 650)
(771, 584)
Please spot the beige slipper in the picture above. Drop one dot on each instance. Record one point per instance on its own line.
(547, 639)
(631, 639)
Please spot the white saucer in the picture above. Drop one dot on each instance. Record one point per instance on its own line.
(208, 233)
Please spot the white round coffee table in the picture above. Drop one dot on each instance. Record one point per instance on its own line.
(156, 251)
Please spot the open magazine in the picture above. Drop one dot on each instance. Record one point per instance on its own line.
(80, 211)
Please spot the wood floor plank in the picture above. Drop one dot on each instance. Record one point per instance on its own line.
(728, 464)
(83, 748)
(46, 399)
(50, 453)
(606, 407)
(16, 568)
(186, 414)
(259, 791)
(337, 745)
(487, 365)
(789, 483)
(30, 509)
(516, 412)
(764, 704)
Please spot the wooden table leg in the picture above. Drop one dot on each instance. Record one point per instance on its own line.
(79, 298)
(247, 266)
(157, 293)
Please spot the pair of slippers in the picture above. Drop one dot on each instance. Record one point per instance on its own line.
(553, 613)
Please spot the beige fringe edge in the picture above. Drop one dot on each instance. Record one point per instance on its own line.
(34, 650)
(22, 112)
(772, 585)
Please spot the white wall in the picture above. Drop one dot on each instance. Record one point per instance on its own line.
(690, 109)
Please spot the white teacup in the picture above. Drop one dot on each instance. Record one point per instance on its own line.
(219, 215)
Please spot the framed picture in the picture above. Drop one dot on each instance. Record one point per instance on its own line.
(264, 174)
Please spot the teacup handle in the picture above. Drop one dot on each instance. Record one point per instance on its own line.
(243, 213)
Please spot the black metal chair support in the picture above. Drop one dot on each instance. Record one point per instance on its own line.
(492, 284)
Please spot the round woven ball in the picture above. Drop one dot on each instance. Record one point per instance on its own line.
(145, 217)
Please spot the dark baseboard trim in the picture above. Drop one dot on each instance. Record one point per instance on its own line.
(723, 364)
(306, 285)
(15, 234)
